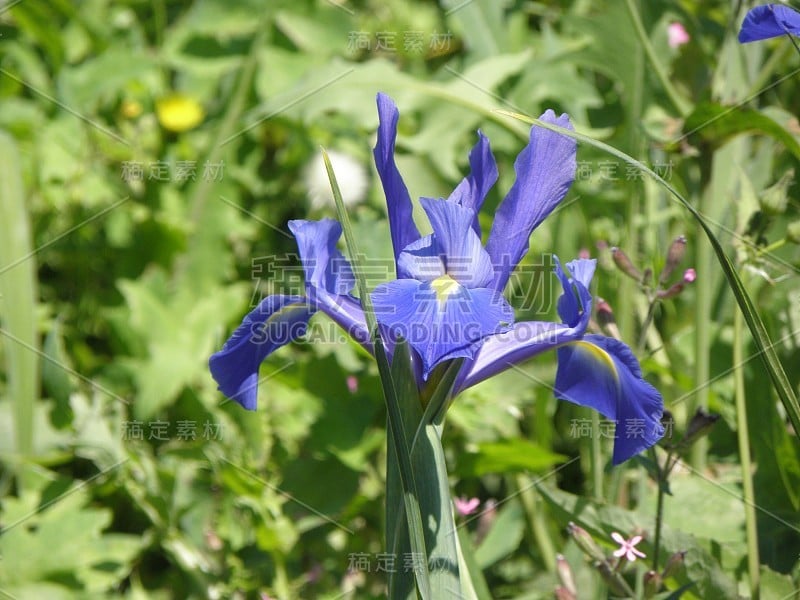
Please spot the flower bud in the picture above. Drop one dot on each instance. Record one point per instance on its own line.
(671, 291)
(689, 275)
(585, 542)
(674, 564)
(700, 425)
(606, 320)
(564, 594)
(613, 579)
(793, 232)
(652, 583)
(565, 575)
(677, 249)
(624, 264)
(774, 199)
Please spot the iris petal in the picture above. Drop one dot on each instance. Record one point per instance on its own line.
(545, 169)
(421, 260)
(571, 307)
(504, 350)
(398, 201)
(603, 373)
(441, 318)
(527, 339)
(275, 322)
(769, 21)
(465, 259)
(472, 190)
(329, 277)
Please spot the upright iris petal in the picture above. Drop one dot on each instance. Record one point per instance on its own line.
(444, 304)
(398, 201)
(769, 21)
(472, 190)
(545, 169)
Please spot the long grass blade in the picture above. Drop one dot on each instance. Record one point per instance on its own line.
(759, 332)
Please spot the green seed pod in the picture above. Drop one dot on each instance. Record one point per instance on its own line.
(652, 583)
(585, 542)
(674, 564)
(793, 232)
(775, 198)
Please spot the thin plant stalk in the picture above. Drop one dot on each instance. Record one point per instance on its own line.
(743, 438)
(680, 103)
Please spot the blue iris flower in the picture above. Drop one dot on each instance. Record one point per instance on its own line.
(769, 21)
(447, 300)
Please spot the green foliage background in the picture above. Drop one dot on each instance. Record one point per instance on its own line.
(126, 474)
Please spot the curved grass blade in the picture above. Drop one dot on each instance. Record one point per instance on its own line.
(759, 332)
(390, 391)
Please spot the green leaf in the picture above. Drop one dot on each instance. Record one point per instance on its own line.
(715, 124)
(18, 296)
(601, 519)
(399, 390)
(65, 537)
(504, 537)
(507, 456)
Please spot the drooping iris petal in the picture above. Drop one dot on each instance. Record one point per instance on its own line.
(504, 350)
(472, 190)
(465, 259)
(603, 373)
(527, 339)
(329, 277)
(440, 318)
(398, 201)
(769, 21)
(275, 322)
(545, 169)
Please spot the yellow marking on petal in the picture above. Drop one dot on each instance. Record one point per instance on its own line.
(599, 355)
(444, 287)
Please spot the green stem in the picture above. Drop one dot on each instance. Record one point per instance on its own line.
(651, 313)
(683, 106)
(744, 456)
(281, 580)
(537, 522)
(772, 247)
(661, 481)
(702, 352)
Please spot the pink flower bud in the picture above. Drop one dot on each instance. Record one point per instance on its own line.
(677, 35)
(466, 506)
(352, 384)
(689, 275)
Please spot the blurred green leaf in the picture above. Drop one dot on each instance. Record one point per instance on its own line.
(715, 124)
(507, 456)
(504, 537)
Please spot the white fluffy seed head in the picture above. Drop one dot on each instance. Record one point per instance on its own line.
(350, 174)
